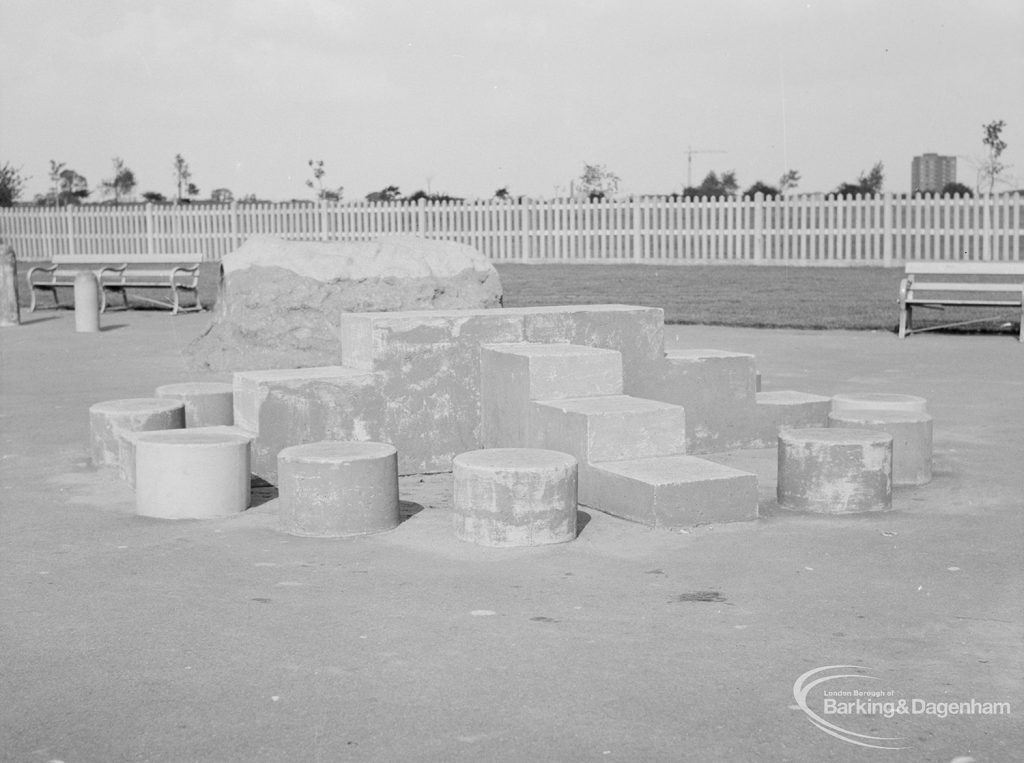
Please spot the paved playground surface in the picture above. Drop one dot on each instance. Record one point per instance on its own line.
(223, 640)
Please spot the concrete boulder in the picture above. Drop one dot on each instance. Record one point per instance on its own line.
(280, 302)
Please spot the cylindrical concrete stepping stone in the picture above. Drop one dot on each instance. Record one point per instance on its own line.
(835, 471)
(514, 497)
(110, 420)
(191, 474)
(911, 440)
(337, 489)
(207, 404)
(127, 442)
(878, 401)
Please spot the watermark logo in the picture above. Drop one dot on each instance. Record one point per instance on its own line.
(833, 704)
(805, 683)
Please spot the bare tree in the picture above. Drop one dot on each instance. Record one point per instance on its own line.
(790, 179)
(322, 194)
(598, 182)
(122, 183)
(993, 167)
(11, 184)
(182, 174)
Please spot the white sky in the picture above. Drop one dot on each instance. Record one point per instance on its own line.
(479, 94)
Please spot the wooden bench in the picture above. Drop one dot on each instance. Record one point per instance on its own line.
(937, 285)
(117, 274)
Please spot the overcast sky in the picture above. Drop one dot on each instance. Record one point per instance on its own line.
(468, 96)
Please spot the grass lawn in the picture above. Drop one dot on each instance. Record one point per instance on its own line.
(739, 295)
(859, 298)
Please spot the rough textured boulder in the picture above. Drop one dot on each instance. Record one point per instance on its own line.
(280, 301)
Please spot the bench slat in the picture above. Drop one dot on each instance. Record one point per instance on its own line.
(939, 286)
(130, 259)
(965, 268)
(964, 302)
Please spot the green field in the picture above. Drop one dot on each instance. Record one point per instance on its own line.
(859, 298)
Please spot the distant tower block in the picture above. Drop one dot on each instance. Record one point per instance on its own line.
(191, 474)
(911, 440)
(110, 420)
(835, 471)
(878, 401)
(514, 497)
(336, 489)
(207, 404)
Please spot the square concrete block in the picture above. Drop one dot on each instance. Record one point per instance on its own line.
(285, 407)
(511, 375)
(717, 389)
(673, 491)
(787, 409)
(609, 428)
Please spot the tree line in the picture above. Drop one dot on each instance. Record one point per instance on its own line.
(596, 182)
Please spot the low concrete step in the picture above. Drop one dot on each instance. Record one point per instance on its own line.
(672, 491)
(608, 428)
(512, 375)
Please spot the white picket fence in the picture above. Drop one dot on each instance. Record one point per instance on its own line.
(885, 230)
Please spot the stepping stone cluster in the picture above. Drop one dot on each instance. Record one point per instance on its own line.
(532, 410)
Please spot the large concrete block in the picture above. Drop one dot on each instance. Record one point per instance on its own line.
(279, 300)
(717, 389)
(430, 363)
(511, 375)
(285, 407)
(787, 409)
(673, 491)
(429, 366)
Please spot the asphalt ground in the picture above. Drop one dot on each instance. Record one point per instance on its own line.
(133, 639)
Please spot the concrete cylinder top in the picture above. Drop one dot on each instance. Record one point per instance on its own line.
(334, 489)
(835, 471)
(514, 497)
(191, 474)
(207, 404)
(878, 401)
(911, 440)
(111, 419)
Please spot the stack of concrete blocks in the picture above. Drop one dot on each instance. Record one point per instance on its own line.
(415, 379)
(631, 450)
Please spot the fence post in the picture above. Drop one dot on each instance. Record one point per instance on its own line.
(524, 231)
(887, 202)
(233, 225)
(421, 217)
(323, 219)
(150, 248)
(70, 225)
(638, 241)
(758, 227)
(987, 224)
